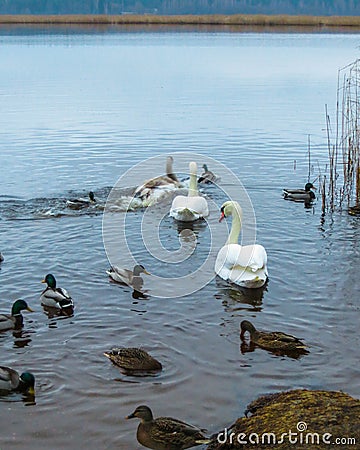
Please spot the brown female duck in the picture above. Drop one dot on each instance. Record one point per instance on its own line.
(165, 433)
(272, 340)
(133, 360)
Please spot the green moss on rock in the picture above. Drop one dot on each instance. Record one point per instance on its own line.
(324, 413)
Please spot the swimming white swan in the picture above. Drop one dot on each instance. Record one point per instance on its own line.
(151, 190)
(191, 207)
(242, 265)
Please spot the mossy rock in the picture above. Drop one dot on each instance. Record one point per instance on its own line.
(317, 417)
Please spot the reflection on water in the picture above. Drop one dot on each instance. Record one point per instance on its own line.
(22, 338)
(52, 312)
(235, 298)
(248, 347)
(90, 107)
(11, 397)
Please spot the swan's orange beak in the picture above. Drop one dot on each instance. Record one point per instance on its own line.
(222, 216)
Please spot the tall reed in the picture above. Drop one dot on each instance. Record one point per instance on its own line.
(343, 186)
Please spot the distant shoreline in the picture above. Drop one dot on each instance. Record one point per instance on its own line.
(216, 19)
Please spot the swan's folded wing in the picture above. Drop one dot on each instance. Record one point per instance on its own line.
(195, 204)
(248, 256)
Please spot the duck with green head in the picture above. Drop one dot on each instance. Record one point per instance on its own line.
(165, 433)
(10, 380)
(55, 297)
(272, 340)
(79, 203)
(305, 194)
(14, 320)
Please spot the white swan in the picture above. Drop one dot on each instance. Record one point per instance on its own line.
(191, 207)
(242, 265)
(151, 190)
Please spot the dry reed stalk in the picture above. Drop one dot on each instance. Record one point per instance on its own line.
(347, 141)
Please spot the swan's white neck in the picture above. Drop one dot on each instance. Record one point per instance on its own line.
(193, 188)
(235, 227)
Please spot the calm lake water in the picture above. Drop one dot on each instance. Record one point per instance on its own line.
(79, 107)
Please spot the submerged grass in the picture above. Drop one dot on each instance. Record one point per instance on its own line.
(211, 19)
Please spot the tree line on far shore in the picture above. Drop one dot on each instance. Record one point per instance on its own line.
(170, 7)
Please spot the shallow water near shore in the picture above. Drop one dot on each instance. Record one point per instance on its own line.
(79, 109)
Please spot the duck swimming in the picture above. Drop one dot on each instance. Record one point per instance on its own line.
(165, 433)
(55, 297)
(10, 380)
(272, 340)
(305, 194)
(79, 203)
(207, 177)
(14, 320)
(133, 360)
(129, 277)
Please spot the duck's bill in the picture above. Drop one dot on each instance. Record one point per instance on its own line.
(43, 281)
(222, 217)
(31, 391)
(29, 309)
(146, 272)
(131, 416)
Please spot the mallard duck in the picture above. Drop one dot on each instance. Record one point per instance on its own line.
(133, 360)
(165, 433)
(207, 177)
(53, 296)
(273, 340)
(126, 276)
(10, 380)
(14, 320)
(300, 194)
(242, 265)
(79, 203)
(151, 190)
(191, 207)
